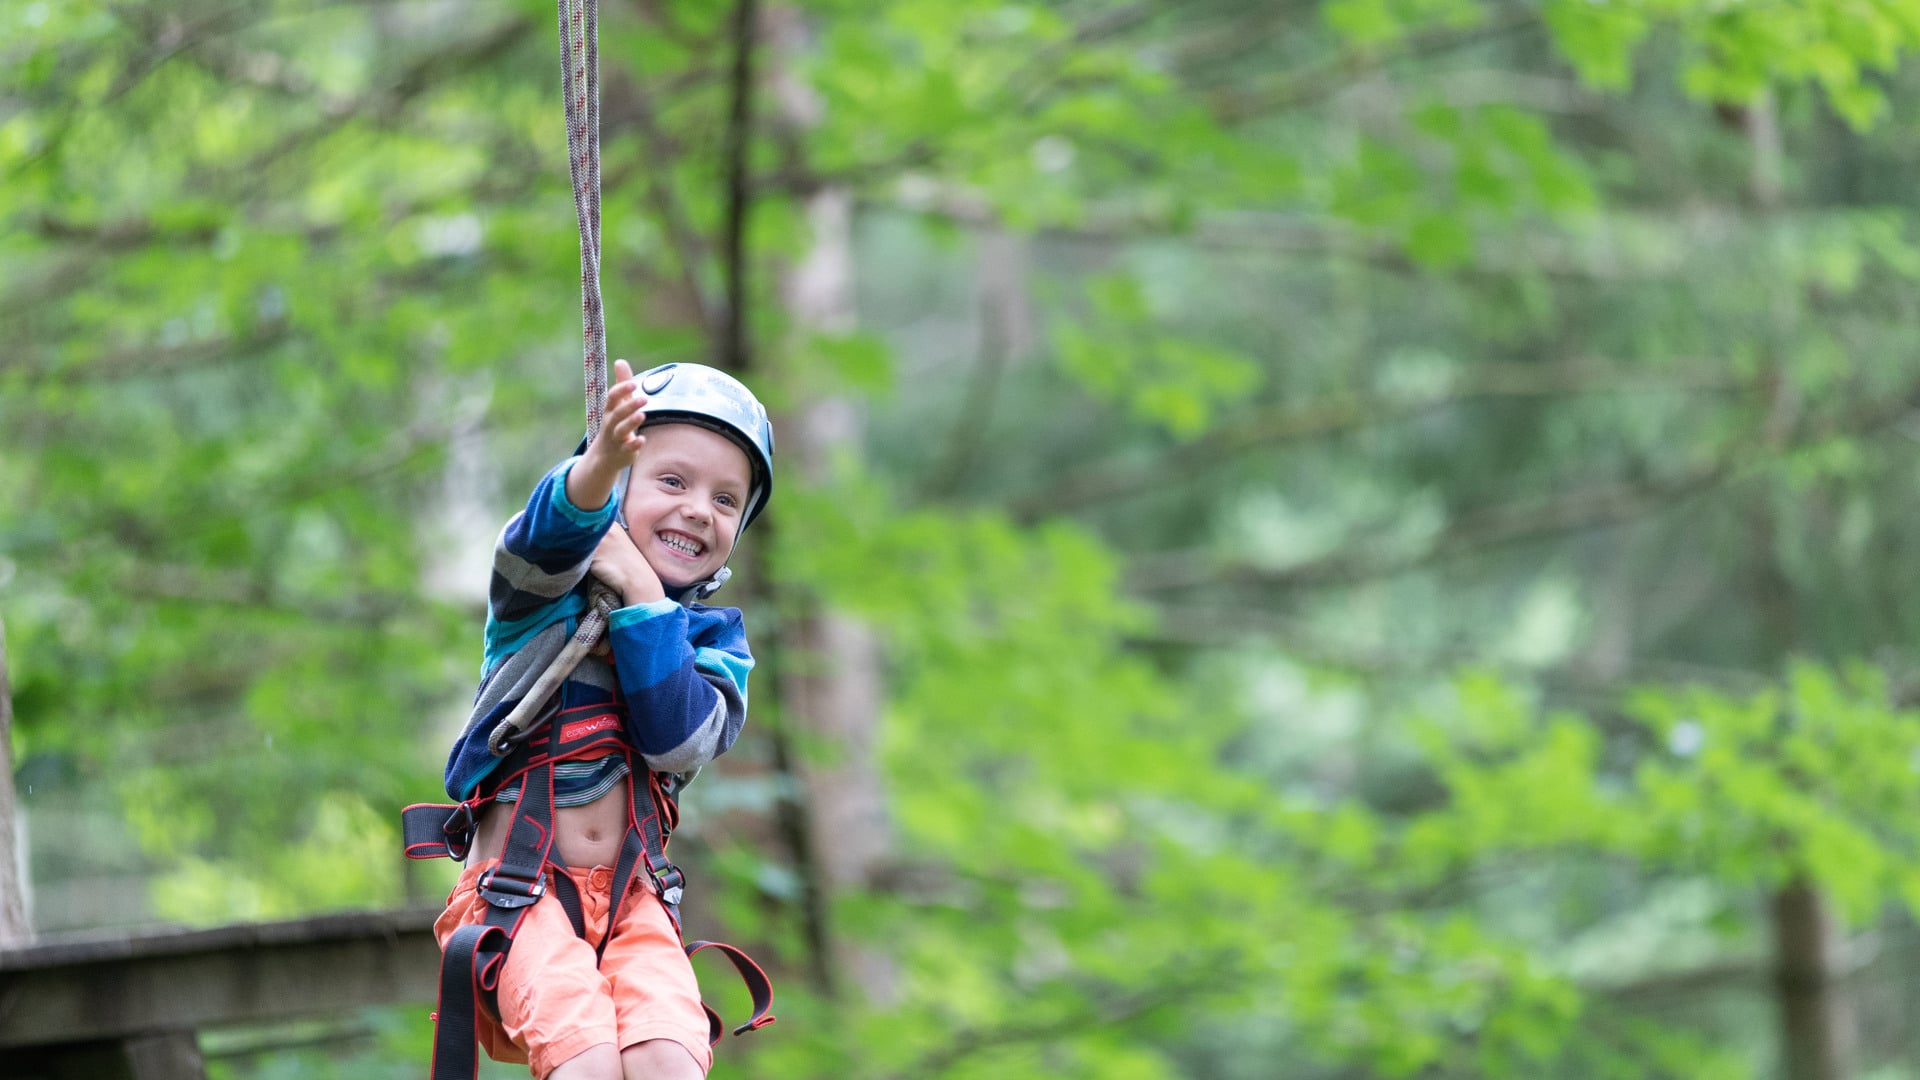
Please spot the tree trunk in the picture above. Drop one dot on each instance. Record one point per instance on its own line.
(829, 677)
(1816, 1018)
(14, 928)
(1817, 1022)
(1008, 330)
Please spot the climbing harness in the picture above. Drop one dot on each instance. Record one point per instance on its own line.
(475, 954)
(534, 737)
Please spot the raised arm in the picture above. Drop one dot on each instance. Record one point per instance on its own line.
(544, 550)
(548, 547)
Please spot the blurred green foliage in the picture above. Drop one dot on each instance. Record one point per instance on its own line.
(1436, 566)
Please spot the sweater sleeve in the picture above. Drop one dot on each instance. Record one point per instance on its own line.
(541, 555)
(534, 602)
(684, 673)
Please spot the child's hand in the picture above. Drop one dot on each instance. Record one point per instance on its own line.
(620, 439)
(620, 565)
(590, 481)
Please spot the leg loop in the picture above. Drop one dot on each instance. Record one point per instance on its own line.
(759, 987)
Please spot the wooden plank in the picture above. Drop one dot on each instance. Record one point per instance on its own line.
(173, 1056)
(116, 988)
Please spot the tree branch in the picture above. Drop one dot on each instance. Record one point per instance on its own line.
(689, 248)
(796, 177)
(167, 36)
(737, 153)
(1167, 989)
(123, 234)
(403, 450)
(660, 15)
(1276, 426)
(1227, 626)
(1025, 88)
(14, 927)
(385, 102)
(262, 70)
(1538, 254)
(1593, 507)
(1340, 71)
(1000, 277)
(1206, 57)
(139, 363)
(1588, 508)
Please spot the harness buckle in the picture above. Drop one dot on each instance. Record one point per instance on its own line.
(458, 829)
(506, 735)
(509, 891)
(669, 883)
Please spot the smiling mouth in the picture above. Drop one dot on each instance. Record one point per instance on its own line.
(681, 545)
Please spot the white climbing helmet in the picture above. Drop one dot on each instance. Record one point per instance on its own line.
(707, 397)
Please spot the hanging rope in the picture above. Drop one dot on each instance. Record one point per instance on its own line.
(580, 82)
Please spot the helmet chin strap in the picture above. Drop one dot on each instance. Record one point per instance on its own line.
(700, 590)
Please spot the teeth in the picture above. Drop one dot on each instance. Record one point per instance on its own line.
(680, 544)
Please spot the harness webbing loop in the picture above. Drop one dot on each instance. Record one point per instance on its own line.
(519, 723)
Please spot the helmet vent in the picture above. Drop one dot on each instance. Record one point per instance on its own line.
(656, 380)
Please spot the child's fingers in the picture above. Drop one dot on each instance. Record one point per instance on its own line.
(623, 386)
(624, 408)
(624, 404)
(629, 416)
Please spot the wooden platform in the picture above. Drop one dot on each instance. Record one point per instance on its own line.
(128, 1007)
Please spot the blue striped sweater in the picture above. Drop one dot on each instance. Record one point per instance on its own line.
(681, 669)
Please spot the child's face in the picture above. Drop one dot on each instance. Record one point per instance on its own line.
(684, 499)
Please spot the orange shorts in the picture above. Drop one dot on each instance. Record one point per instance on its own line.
(554, 1001)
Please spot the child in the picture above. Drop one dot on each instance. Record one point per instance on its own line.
(673, 692)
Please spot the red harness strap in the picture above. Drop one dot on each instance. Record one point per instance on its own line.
(474, 955)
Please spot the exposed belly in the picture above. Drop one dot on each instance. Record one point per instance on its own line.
(587, 835)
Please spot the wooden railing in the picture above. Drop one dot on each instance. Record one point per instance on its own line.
(129, 1007)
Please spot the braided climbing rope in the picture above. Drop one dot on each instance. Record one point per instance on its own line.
(580, 82)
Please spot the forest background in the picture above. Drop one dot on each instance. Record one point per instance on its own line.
(1324, 540)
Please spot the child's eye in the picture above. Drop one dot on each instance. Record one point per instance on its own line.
(725, 500)
(671, 481)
